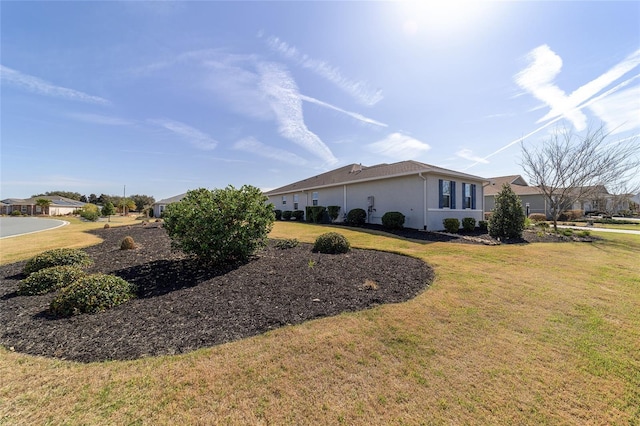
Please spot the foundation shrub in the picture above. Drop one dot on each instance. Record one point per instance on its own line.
(127, 243)
(16, 213)
(482, 224)
(298, 215)
(451, 225)
(537, 217)
(91, 294)
(356, 217)
(393, 220)
(278, 214)
(468, 224)
(331, 243)
(315, 214)
(57, 257)
(286, 215)
(49, 279)
(333, 212)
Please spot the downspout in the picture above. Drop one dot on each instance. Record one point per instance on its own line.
(424, 184)
(344, 200)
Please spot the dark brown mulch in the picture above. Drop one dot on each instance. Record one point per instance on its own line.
(183, 306)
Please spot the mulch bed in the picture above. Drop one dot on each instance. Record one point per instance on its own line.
(183, 305)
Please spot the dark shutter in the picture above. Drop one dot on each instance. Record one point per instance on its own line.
(439, 193)
(453, 195)
(464, 196)
(473, 196)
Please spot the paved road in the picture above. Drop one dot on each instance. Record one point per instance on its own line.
(14, 226)
(588, 228)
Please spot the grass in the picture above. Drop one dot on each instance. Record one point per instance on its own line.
(524, 334)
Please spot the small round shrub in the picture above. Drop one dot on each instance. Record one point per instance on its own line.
(57, 257)
(49, 279)
(127, 243)
(16, 213)
(331, 243)
(451, 225)
(356, 217)
(286, 215)
(278, 214)
(482, 224)
(91, 294)
(287, 243)
(107, 226)
(468, 224)
(393, 220)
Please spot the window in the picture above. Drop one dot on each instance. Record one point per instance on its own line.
(447, 194)
(295, 201)
(314, 198)
(284, 200)
(468, 196)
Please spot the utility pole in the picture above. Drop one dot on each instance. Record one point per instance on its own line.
(124, 201)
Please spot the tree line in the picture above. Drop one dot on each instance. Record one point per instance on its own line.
(137, 202)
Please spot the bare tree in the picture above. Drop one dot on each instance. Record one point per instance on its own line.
(569, 167)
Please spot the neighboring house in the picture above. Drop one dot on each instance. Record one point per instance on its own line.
(425, 194)
(59, 206)
(159, 206)
(533, 199)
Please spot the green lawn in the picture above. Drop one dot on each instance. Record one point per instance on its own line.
(524, 334)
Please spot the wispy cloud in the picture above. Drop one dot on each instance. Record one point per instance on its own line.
(100, 119)
(349, 113)
(254, 146)
(399, 146)
(620, 111)
(467, 154)
(42, 87)
(282, 93)
(194, 136)
(359, 90)
(538, 79)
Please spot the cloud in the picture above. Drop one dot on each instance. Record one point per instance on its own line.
(467, 154)
(100, 119)
(621, 111)
(349, 113)
(538, 79)
(399, 146)
(41, 87)
(281, 92)
(254, 146)
(359, 90)
(195, 137)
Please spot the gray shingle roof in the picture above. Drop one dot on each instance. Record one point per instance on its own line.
(359, 173)
(170, 200)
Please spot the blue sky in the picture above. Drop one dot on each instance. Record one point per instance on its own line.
(164, 97)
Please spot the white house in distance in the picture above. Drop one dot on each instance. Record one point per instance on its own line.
(59, 206)
(425, 194)
(159, 206)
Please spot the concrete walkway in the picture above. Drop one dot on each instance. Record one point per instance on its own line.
(15, 226)
(594, 229)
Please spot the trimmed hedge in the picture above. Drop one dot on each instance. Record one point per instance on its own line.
(468, 224)
(451, 225)
(393, 220)
(278, 214)
(538, 217)
(298, 215)
(286, 215)
(315, 214)
(333, 212)
(356, 217)
(91, 294)
(331, 243)
(49, 279)
(57, 257)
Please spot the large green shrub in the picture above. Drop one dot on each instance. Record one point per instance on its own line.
(220, 225)
(333, 212)
(315, 214)
(286, 215)
(298, 215)
(468, 224)
(331, 243)
(451, 225)
(507, 218)
(57, 257)
(393, 220)
(49, 279)
(90, 212)
(91, 294)
(356, 217)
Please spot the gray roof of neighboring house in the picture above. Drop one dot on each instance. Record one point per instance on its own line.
(516, 182)
(170, 200)
(56, 201)
(358, 173)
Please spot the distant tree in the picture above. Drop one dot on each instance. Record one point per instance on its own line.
(507, 219)
(93, 199)
(569, 167)
(71, 195)
(44, 204)
(103, 199)
(83, 198)
(142, 202)
(125, 205)
(108, 209)
(90, 212)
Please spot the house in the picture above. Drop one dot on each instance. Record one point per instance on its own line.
(533, 199)
(159, 206)
(425, 194)
(59, 206)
